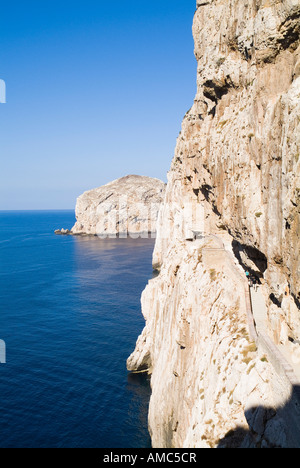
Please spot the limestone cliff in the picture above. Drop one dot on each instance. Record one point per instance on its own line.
(234, 180)
(126, 205)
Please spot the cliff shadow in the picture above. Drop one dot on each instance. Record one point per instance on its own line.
(268, 427)
(250, 258)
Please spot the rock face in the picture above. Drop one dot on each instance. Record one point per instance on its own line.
(236, 175)
(127, 205)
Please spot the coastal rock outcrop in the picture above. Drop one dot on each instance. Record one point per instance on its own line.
(62, 232)
(129, 205)
(235, 179)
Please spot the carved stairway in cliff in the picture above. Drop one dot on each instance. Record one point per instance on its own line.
(278, 356)
(256, 310)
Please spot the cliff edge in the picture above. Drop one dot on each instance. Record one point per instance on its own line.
(231, 206)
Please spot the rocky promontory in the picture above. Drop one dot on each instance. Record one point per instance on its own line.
(235, 179)
(128, 205)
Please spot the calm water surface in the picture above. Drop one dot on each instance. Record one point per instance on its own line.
(70, 316)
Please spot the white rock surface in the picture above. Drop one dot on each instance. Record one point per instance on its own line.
(238, 158)
(128, 205)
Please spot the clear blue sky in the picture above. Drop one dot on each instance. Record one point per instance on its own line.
(95, 90)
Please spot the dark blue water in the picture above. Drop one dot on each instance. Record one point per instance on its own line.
(70, 316)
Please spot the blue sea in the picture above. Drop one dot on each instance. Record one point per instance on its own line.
(70, 315)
